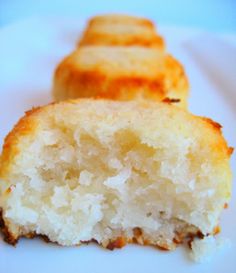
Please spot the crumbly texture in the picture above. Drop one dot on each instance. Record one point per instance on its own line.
(115, 34)
(120, 73)
(128, 20)
(204, 249)
(113, 172)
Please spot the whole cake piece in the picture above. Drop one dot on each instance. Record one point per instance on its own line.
(115, 173)
(125, 19)
(115, 34)
(120, 73)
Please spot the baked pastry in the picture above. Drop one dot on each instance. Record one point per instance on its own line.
(121, 34)
(113, 172)
(124, 19)
(120, 73)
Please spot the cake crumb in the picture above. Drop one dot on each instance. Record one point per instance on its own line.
(203, 250)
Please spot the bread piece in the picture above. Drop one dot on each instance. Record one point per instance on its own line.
(121, 34)
(120, 73)
(113, 172)
(107, 19)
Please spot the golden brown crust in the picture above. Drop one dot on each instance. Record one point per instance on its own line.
(118, 242)
(23, 127)
(73, 79)
(170, 101)
(226, 205)
(216, 230)
(121, 18)
(91, 84)
(1, 219)
(115, 30)
(176, 73)
(215, 125)
(230, 151)
(99, 38)
(8, 236)
(221, 143)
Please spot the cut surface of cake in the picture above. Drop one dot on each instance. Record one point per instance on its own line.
(113, 172)
(120, 73)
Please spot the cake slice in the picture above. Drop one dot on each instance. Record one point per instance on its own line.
(120, 73)
(113, 172)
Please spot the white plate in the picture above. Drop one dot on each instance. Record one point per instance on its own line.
(29, 52)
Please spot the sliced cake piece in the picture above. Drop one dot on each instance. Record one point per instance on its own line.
(113, 172)
(120, 73)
